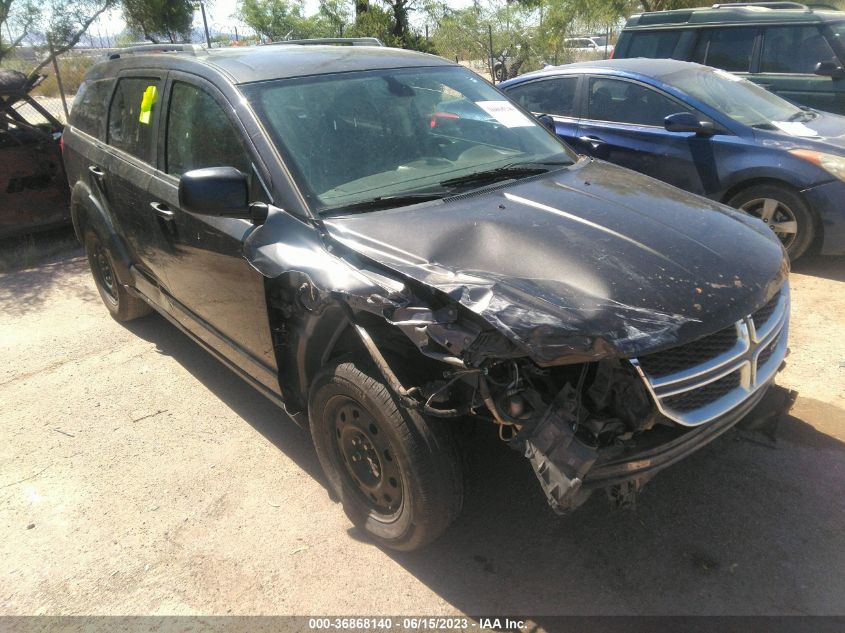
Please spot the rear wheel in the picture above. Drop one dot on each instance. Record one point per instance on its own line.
(783, 210)
(396, 473)
(121, 305)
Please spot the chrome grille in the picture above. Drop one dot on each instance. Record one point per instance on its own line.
(698, 382)
(689, 355)
(768, 351)
(709, 393)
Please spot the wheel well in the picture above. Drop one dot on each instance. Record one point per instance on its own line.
(757, 182)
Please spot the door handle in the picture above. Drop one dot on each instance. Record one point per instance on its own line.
(594, 141)
(99, 173)
(163, 210)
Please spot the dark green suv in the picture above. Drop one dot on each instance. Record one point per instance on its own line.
(789, 48)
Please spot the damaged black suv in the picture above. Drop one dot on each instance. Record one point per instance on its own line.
(382, 243)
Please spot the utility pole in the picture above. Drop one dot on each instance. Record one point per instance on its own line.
(205, 24)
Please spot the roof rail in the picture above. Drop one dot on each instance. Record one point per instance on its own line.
(338, 41)
(136, 49)
(767, 5)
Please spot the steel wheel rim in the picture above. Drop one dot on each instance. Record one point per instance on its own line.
(105, 272)
(368, 461)
(777, 216)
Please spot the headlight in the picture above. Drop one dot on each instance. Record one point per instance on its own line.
(831, 163)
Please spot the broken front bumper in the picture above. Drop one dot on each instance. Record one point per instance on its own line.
(569, 471)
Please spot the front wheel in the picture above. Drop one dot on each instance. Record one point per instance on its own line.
(783, 211)
(396, 473)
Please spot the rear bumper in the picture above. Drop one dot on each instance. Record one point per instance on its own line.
(650, 462)
(828, 201)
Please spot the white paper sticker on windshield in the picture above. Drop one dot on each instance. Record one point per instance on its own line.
(795, 128)
(505, 113)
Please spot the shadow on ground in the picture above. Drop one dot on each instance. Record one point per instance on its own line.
(23, 251)
(28, 290)
(236, 394)
(751, 524)
(832, 268)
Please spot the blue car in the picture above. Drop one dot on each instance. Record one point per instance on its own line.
(706, 131)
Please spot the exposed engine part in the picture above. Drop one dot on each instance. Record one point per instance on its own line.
(624, 495)
(561, 419)
(558, 458)
(615, 388)
(399, 389)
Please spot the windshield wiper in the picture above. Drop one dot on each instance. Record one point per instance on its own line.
(806, 114)
(528, 168)
(385, 202)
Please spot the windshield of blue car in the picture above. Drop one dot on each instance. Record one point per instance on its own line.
(380, 135)
(743, 101)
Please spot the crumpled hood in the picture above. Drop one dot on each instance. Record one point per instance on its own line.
(582, 263)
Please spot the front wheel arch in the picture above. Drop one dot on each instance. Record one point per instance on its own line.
(761, 184)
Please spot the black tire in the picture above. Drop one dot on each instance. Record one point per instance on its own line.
(405, 487)
(121, 305)
(790, 211)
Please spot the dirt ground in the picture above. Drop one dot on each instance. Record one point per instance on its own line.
(140, 476)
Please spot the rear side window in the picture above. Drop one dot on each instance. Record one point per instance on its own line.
(794, 49)
(656, 44)
(548, 96)
(626, 102)
(128, 130)
(91, 105)
(199, 134)
(728, 49)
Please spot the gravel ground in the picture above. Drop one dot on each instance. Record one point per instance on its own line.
(139, 476)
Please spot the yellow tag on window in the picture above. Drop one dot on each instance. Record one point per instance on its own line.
(147, 101)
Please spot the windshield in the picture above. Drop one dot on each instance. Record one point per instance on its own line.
(364, 136)
(743, 101)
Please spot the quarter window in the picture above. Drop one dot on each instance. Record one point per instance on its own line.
(127, 129)
(91, 105)
(728, 49)
(627, 102)
(794, 49)
(199, 134)
(548, 96)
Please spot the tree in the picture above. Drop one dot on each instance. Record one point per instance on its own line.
(335, 14)
(466, 33)
(281, 19)
(400, 9)
(53, 25)
(170, 20)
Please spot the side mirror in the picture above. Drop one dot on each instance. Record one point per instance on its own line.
(217, 191)
(547, 122)
(830, 69)
(688, 122)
